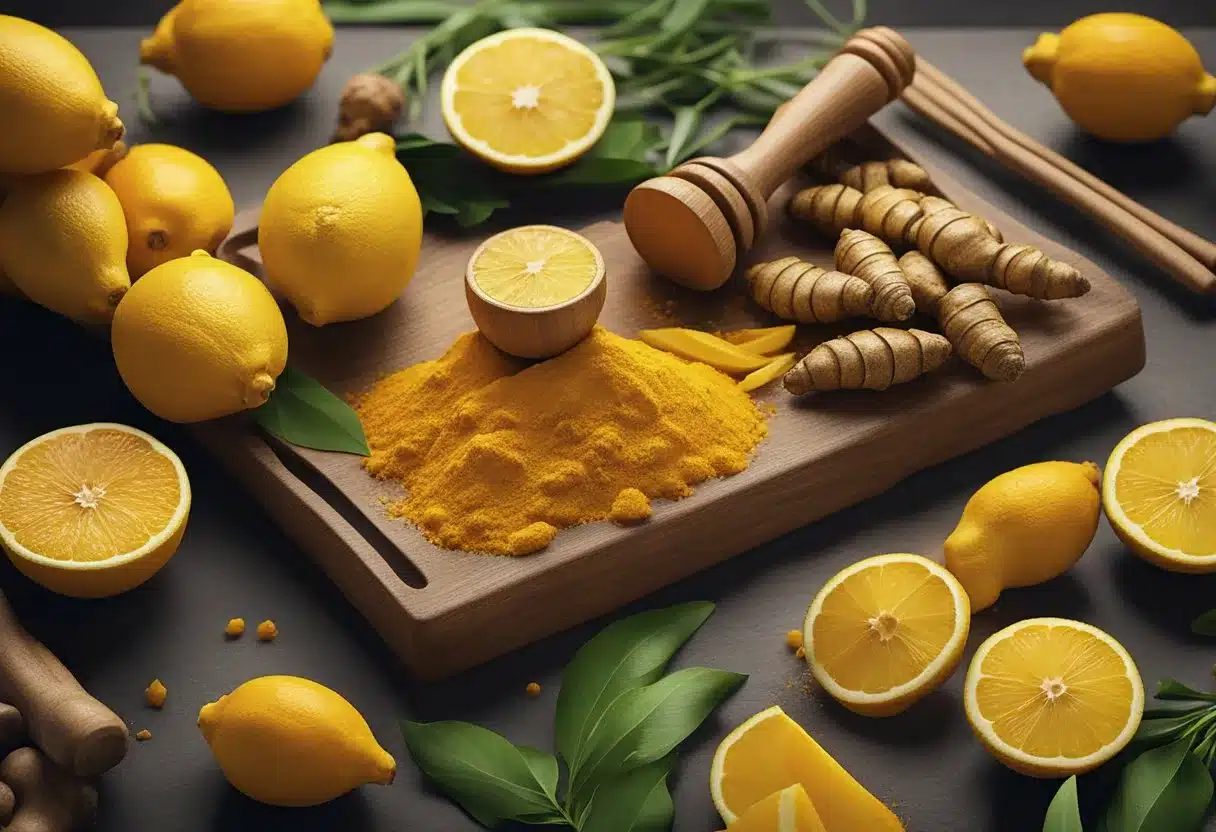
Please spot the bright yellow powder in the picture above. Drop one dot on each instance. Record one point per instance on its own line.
(496, 459)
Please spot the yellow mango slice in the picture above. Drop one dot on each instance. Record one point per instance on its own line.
(704, 348)
(764, 341)
(769, 373)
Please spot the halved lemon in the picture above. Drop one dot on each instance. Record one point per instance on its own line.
(789, 810)
(535, 266)
(1050, 697)
(527, 100)
(886, 631)
(1159, 492)
(93, 510)
(770, 752)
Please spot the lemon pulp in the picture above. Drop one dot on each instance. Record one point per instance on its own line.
(882, 626)
(1054, 696)
(535, 267)
(89, 497)
(1166, 485)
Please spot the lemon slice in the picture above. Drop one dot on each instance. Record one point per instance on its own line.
(527, 100)
(789, 810)
(1051, 697)
(886, 631)
(535, 266)
(1159, 491)
(770, 752)
(93, 510)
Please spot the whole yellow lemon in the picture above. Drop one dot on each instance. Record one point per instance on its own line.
(55, 111)
(1123, 77)
(341, 230)
(288, 741)
(174, 202)
(241, 55)
(197, 338)
(1024, 527)
(63, 243)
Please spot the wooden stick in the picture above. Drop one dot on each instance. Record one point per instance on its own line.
(927, 97)
(70, 726)
(1201, 249)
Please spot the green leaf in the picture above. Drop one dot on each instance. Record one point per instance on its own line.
(1166, 711)
(1064, 814)
(637, 801)
(389, 11)
(599, 171)
(1165, 789)
(683, 15)
(1161, 730)
(625, 655)
(687, 120)
(301, 411)
(644, 725)
(544, 768)
(1170, 689)
(715, 134)
(486, 775)
(1205, 625)
(627, 138)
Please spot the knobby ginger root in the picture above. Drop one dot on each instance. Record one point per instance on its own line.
(799, 291)
(926, 280)
(839, 165)
(969, 317)
(863, 255)
(868, 360)
(12, 732)
(961, 244)
(48, 799)
(932, 204)
(893, 214)
(886, 212)
(370, 103)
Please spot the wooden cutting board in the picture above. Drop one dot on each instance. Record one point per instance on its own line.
(444, 611)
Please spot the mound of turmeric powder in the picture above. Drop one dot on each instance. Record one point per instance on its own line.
(497, 457)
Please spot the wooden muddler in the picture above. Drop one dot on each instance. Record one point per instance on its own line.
(71, 727)
(692, 224)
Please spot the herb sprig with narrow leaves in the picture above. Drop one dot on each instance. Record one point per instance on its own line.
(695, 60)
(619, 722)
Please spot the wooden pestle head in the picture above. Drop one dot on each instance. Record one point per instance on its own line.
(693, 224)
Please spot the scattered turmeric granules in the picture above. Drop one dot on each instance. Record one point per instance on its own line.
(156, 694)
(793, 639)
(267, 631)
(533, 689)
(144, 735)
(496, 458)
(235, 628)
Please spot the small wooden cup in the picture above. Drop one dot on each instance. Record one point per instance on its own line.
(536, 332)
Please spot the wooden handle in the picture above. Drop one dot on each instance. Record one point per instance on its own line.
(70, 726)
(1185, 256)
(1201, 249)
(871, 69)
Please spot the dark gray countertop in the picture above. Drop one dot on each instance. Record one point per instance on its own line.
(232, 562)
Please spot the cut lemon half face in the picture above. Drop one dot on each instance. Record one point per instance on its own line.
(527, 100)
(1050, 697)
(93, 510)
(535, 266)
(886, 631)
(1159, 492)
(769, 753)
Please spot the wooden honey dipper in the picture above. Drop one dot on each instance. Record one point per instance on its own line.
(692, 224)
